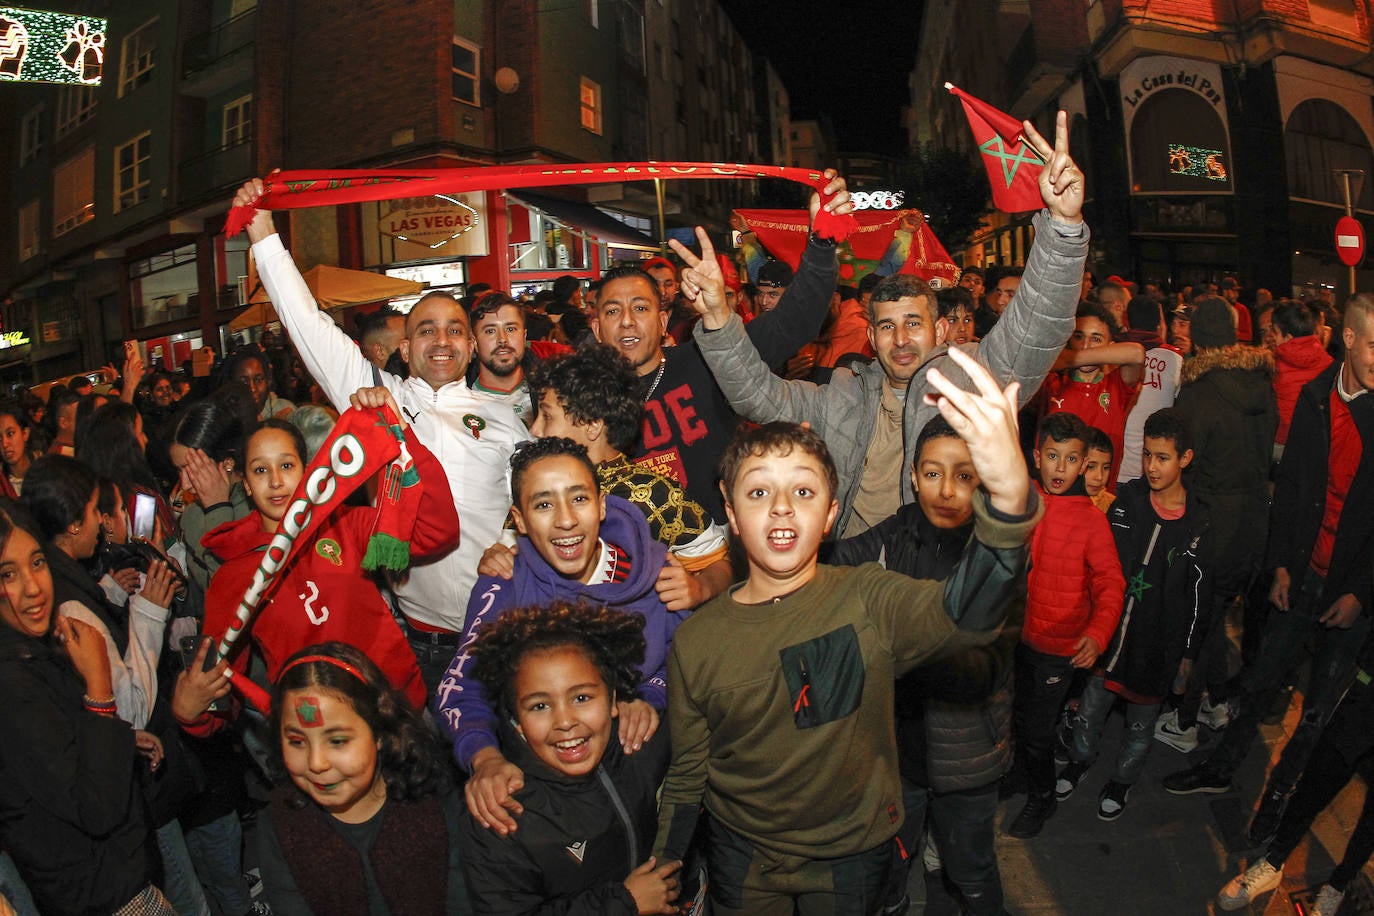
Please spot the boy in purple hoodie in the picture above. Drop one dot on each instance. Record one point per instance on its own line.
(576, 543)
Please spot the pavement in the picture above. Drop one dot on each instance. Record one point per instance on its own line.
(1165, 854)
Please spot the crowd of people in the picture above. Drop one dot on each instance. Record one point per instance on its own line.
(713, 585)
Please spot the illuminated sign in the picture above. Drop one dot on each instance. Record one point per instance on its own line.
(877, 200)
(430, 221)
(10, 339)
(1197, 162)
(42, 47)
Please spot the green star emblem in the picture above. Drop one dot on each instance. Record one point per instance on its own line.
(1135, 587)
(1011, 160)
(308, 712)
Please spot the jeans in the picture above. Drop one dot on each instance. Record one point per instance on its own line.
(179, 882)
(963, 828)
(1093, 710)
(217, 852)
(1042, 684)
(1285, 639)
(434, 652)
(13, 888)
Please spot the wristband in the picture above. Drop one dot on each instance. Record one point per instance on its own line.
(90, 701)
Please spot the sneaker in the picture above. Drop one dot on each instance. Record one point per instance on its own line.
(1328, 902)
(1168, 732)
(1266, 821)
(1039, 808)
(1214, 717)
(1260, 878)
(1201, 778)
(1112, 801)
(1068, 780)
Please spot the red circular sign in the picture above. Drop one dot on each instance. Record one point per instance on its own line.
(1349, 241)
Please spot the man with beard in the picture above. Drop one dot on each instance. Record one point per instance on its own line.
(473, 437)
(504, 356)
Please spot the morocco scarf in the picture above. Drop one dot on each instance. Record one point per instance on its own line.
(362, 444)
(309, 188)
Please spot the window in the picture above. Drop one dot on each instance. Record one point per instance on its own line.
(136, 57)
(75, 105)
(164, 287)
(1319, 138)
(238, 122)
(466, 60)
(73, 192)
(28, 230)
(132, 182)
(30, 135)
(590, 96)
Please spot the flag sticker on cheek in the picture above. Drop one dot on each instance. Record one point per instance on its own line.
(309, 713)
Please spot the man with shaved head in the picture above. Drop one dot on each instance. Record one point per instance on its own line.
(473, 437)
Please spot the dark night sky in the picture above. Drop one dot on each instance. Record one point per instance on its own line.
(848, 59)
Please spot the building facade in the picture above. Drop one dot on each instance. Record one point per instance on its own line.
(1214, 137)
(121, 190)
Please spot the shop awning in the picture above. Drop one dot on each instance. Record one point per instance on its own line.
(586, 219)
(332, 287)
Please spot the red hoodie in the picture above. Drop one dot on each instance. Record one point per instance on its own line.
(1297, 361)
(323, 595)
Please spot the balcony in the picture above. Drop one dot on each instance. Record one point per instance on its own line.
(215, 172)
(216, 60)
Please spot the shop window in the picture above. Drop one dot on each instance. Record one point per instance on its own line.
(466, 68)
(1319, 138)
(164, 287)
(28, 230)
(75, 106)
(590, 98)
(136, 56)
(132, 180)
(237, 122)
(73, 192)
(30, 135)
(231, 269)
(1179, 145)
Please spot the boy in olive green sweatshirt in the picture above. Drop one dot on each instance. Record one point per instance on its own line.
(780, 690)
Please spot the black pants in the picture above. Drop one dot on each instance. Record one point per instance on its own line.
(1042, 684)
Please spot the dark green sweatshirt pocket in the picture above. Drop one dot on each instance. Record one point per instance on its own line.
(825, 677)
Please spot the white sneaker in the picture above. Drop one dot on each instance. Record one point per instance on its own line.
(1327, 903)
(1168, 732)
(1260, 878)
(1214, 717)
(930, 855)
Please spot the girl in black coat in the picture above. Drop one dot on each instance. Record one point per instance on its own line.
(71, 813)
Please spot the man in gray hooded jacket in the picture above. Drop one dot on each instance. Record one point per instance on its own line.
(869, 420)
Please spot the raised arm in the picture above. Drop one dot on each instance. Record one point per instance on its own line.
(1029, 336)
(330, 355)
(753, 391)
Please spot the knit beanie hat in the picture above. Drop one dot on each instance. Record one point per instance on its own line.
(1213, 324)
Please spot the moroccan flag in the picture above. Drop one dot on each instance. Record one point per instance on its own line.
(1013, 167)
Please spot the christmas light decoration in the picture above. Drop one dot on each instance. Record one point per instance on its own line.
(43, 47)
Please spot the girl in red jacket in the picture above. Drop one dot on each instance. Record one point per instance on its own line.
(323, 595)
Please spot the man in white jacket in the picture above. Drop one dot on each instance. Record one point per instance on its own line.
(473, 437)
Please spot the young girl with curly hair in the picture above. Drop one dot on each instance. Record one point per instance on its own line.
(369, 814)
(586, 813)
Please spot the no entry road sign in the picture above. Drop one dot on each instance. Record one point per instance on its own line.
(1349, 241)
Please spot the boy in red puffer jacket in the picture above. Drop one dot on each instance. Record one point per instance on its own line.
(1073, 601)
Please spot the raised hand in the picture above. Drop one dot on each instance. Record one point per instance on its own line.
(986, 420)
(196, 689)
(373, 398)
(1061, 180)
(261, 225)
(208, 480)
(703, 282)
(839, 204)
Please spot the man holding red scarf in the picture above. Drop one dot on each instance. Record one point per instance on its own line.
(472, 437)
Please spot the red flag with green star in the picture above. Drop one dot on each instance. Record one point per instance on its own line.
(1013, 167)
